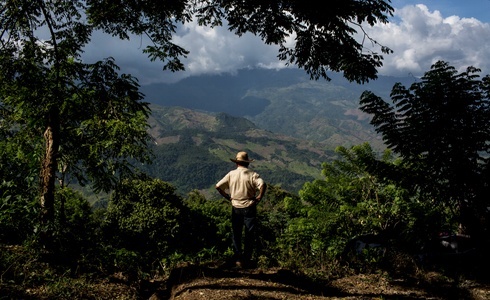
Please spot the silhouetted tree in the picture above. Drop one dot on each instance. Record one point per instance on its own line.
(440, 128)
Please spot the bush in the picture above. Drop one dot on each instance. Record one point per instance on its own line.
(18, 216)
(145, 216)
(209, 227)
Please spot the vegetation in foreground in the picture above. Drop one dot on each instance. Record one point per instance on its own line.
(149, 240)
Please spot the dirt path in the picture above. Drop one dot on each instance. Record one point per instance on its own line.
(214, 283)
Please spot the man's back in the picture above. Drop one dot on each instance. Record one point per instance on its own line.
(243, 185)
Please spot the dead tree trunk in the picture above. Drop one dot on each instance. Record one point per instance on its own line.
(47, 179)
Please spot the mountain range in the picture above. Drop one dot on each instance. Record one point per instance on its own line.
(289, 123)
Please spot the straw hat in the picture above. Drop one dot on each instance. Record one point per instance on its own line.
(241, 156)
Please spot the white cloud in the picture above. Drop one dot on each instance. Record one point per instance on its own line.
(420, 37)
(216, 50)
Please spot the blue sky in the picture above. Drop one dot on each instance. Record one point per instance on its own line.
(420, 33)
(479, 9)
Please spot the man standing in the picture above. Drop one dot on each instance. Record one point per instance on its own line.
(246, 189)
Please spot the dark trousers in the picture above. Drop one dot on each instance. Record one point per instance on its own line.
(240, 218)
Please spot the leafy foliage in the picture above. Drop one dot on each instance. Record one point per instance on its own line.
(148, 214)
(351, 201)
(210, 225)
(86, 118)
(325, 39)
(77, 231)
(439, 127)
(149, 227)
(17, 216)
(19, 169)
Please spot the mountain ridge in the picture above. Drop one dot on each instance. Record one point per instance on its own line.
(283, 101)
(287, 122)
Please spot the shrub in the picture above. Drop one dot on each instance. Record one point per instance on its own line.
(144, 216)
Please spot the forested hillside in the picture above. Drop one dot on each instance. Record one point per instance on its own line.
(192, 150)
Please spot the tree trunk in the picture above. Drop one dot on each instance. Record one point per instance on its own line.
(49, 167)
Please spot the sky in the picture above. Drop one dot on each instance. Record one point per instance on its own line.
(420, 33)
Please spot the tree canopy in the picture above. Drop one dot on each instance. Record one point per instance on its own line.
(325, 37)
(439, 126)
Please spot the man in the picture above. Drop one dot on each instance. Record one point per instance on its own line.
(246, 189)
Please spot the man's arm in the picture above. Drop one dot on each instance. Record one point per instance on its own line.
(261, 194)
(223, 193)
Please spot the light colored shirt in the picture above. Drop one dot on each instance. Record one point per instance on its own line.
(242, 184)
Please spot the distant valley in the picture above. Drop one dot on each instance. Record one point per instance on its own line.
(288, 122)
(192, 150)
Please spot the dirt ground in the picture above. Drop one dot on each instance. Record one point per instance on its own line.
(216, 282)
(211, 283)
